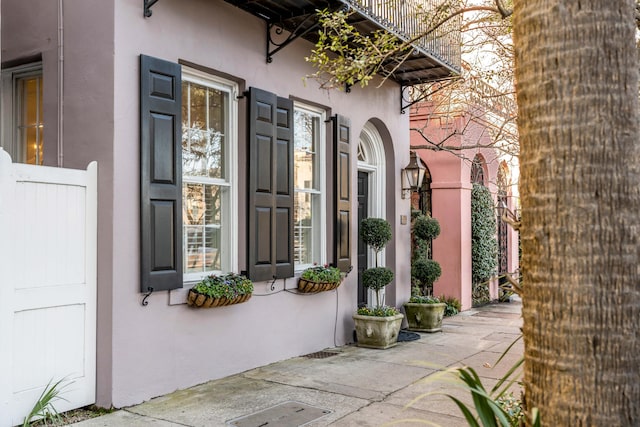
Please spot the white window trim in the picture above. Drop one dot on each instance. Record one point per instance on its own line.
(373, 149)
(322, 185)
(9, 105)
(231, 241)
(374, 154)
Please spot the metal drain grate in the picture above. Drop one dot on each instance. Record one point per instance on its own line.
(320, 355)
(287, 414)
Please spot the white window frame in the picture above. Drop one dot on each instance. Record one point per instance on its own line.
(319, 228)
(10, 106)
(229, 213)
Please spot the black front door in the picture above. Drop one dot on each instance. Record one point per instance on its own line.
(363, 262)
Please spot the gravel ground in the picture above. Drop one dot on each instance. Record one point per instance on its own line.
(74, 416)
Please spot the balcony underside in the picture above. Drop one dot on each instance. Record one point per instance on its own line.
(298, 19)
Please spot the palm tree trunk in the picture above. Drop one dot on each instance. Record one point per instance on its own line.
(577, 91)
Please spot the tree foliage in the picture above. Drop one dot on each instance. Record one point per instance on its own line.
(484, 245)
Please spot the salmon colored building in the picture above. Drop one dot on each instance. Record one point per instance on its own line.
(470, 157)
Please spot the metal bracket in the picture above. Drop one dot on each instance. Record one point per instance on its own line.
(274, 47)
(147, 7)
(412, 94)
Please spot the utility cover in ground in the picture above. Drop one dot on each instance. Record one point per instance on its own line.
(287, 414)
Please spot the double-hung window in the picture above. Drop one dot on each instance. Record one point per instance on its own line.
(23, 120)
(209, 159)
(309, 187)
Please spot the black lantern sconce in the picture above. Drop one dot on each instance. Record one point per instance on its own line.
(412, 175)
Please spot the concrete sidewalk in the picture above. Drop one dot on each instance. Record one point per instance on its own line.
(346, 386)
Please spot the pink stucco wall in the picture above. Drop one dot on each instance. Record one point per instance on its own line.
(146, 351)
(451, 193)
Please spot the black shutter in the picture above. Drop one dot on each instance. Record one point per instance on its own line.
(342, 192)
(160, 174)
(270, 210)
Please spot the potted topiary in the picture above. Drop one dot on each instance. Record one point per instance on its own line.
(216, 291)
(424, 311)
(319, 278)
(377, 327)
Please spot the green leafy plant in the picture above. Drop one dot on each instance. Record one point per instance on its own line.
(344, 56)
(376, 233)
(319, 273)
(382, 311)
(43, 408)
(421, 299)
(490, 408)
(425, 272)
(426, 227)
(229, 286)
(513, 407)
(377, 278)
(453, 305)
(484, 245)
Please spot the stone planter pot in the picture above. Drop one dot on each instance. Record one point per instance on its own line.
(377, 332)
(195, 299)
(309, 287)
(424, 317)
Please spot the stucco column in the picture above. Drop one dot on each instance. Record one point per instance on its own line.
(452, 249)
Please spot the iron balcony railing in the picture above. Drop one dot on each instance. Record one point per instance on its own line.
(409, 19)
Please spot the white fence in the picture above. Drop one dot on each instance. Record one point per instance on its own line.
(47, 286)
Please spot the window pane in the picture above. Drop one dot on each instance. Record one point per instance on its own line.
(204, 129)
(29, 119)
(303, 226)
(306, 141)
(308, 229)
(202, 227)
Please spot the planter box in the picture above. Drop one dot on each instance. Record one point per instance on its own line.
(377, 332)
(309, 287)
(424, 317)
(195, 299)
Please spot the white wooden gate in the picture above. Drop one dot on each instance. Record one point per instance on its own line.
(47, 286)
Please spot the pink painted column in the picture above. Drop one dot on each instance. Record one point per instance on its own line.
(452, 249)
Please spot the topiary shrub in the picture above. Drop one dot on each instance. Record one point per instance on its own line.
(426, 228)
(484, 244)
(425, 272)
(377, 278)
(376, 232)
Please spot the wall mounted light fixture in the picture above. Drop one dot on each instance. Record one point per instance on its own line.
(412, 175)
(508, 216)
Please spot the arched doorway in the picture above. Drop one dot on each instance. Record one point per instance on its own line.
(371, 199)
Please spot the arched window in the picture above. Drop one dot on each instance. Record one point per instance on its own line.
(425, 193)
(477, 170)
(502, 225)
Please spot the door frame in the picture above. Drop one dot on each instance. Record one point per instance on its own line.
(371, 159)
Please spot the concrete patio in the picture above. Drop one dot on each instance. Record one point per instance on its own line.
(347, 386)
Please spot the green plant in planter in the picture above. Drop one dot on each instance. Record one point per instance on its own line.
(319, 273)
(425, 227)
(229, 286)
(425, 272)
(376, 233)
(421, 299)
